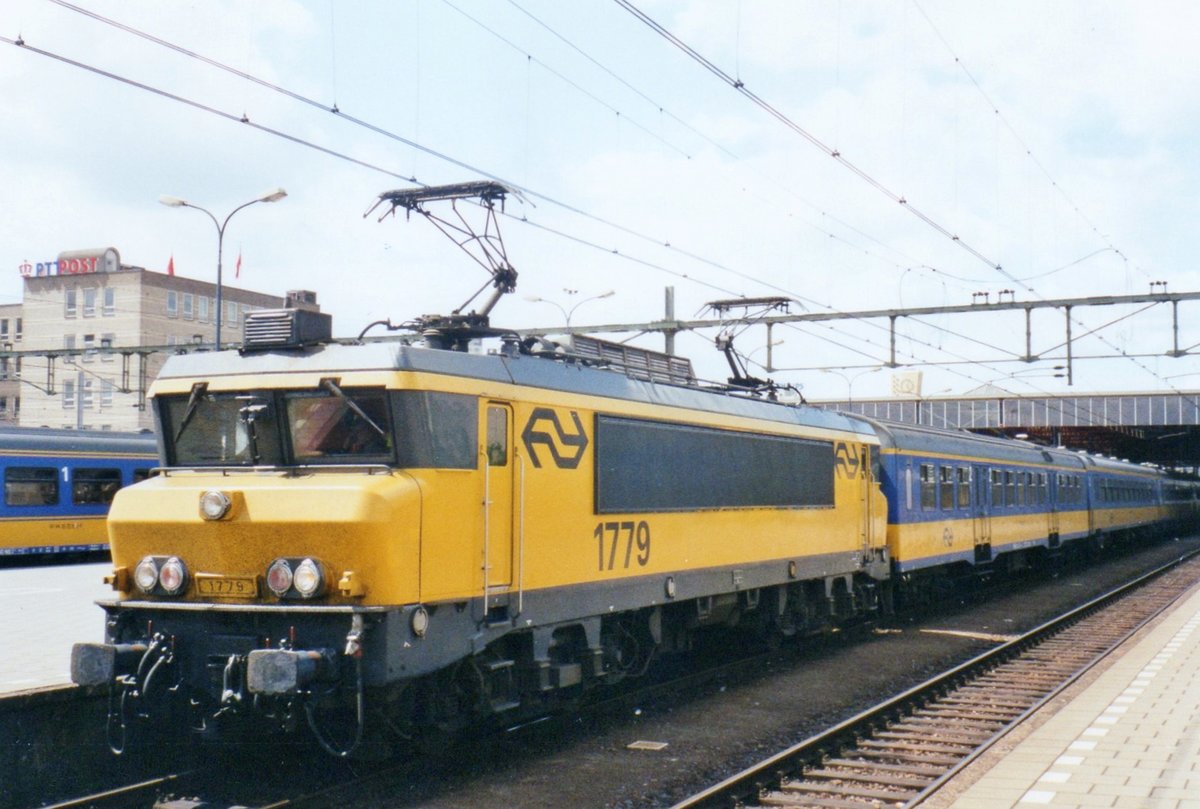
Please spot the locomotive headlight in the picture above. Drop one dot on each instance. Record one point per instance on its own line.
(279, 577)
(308, 579)
(172, 576)
(215, 505)
(145, 575)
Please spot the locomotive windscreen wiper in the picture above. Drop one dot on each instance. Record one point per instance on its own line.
(198, 391)
(331, 386)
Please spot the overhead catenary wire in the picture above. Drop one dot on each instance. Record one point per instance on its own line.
(245, 119)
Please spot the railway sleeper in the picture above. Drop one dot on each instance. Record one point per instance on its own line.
(780, 799)
(870, 776)
(919, 736)
(902, 755)
(988, 725)
(948, 733)
(984, 700)
(916, 747)
(912, 769)
(849, 791)
(969, 716)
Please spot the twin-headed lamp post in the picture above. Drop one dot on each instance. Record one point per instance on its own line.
(176, 202)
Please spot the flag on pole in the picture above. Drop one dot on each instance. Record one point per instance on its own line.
(171, 265)
(237, 273)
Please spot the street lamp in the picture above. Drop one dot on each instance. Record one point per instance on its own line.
(176, 202)
(568, 312)
(850, 380)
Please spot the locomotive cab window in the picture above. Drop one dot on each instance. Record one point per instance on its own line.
(30, 486)
(223, 429)
(94, 486)
(335, 425)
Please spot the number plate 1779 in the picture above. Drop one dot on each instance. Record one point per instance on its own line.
(208, 584)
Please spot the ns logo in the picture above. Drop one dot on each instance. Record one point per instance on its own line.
(565, 448)
(850, 460)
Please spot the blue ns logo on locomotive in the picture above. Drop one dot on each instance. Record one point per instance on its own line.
(849, 462)
(565, 448)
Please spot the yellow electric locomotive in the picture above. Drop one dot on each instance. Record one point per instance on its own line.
(427, 535)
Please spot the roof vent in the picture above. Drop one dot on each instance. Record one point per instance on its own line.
(266, 329)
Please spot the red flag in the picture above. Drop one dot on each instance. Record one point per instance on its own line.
(237, 273)
(171, 265)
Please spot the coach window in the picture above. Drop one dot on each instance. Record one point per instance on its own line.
(964, 487)
(1019, 491)
(997, 488)
(30, 486)
(94, 486)
(946, 479)
(1010, 486)
(497, 436)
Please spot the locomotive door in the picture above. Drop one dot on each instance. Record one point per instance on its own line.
(497, 451)
(982, 514)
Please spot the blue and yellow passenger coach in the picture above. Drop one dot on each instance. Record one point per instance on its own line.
(962, 504)
(438, 534)
(58, 485)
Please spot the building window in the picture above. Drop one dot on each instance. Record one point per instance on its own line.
(17, 336)
(68, 399)
(110, 301)
(71, 302)
(85, 393)
(106, 393)
(106, 341)
(202, 310)
(3, 406)
(69, 342)
(89, 302)
(188, 311)
(3, 367)
(231, 313)
(172, 303)
(3, 328)
(89, 347)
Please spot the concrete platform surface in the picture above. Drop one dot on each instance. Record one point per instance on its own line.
(43, 611)
(1127, 738)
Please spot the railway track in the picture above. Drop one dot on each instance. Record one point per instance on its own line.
(900, 752)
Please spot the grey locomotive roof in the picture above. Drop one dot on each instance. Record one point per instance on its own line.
(536, 372)
(44, 439)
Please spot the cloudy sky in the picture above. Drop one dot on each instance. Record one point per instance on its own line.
(1046, 148)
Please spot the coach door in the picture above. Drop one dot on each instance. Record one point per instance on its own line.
(497, 451)
(982, 511)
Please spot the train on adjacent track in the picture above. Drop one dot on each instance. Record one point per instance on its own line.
(376, 537)
(58, 485)
(421, 536)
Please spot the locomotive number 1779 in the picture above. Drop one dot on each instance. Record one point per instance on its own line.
(611, 536)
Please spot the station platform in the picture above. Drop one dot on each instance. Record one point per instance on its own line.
(44, 610)
(1126, 735)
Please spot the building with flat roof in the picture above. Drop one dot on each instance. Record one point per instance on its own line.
(92, 333)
